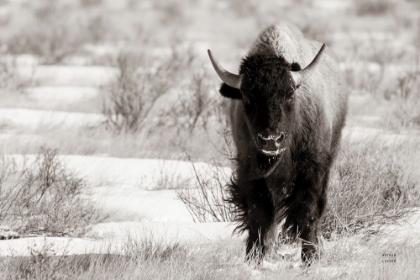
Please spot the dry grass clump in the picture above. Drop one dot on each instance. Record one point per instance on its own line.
(406, 102)
(344, 259)
(370, 186)
(43, 198)
(367, 82)
(145, 259)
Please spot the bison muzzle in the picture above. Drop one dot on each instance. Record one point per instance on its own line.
(288, 110)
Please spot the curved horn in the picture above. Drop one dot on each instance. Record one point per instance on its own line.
(301, 75)
(230, 79)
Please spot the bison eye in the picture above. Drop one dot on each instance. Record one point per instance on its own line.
(290, 97)
(246, 100)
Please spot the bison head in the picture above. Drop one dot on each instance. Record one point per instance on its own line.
(266, 85)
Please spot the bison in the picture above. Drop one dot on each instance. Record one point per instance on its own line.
(289, 107)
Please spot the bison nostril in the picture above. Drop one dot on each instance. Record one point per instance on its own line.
(280, 138)
(261, 141)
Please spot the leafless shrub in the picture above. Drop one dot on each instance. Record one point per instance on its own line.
(53, 35)
(10, 80)
(5, 19)
(404, 21)
(133, 4)
(417, 34)
(43, 197)
(373, 7)
(248, 8)
(406, 101)
(180, 59)
(95, 29)
(407, 86)
(90, 3)
(172, 12)
(129, 99)
(208, 203)
(195, 106)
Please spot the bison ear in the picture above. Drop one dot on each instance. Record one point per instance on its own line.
(230, 92)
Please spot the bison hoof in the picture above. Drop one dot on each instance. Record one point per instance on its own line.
(310, 254)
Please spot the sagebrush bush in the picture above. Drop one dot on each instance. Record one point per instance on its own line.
(195, 106)
(130, 97)
(10, 81)
(43, 197)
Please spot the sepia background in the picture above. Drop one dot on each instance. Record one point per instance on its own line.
(116, 145)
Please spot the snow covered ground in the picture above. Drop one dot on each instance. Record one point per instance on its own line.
(130, 190)
(124, 188)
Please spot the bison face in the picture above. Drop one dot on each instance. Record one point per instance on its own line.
(266, 85)
(267, 92)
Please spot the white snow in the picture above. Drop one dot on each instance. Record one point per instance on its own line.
(117, 187)
(114, 238)
(34, 118)
(61, 94)
(144, 174)
(332, 4)
(82, 76)
(379, 136)
(138, 214)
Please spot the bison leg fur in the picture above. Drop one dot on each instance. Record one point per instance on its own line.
(305, 209)
(259, 220)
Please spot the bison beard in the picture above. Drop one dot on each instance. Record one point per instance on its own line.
(308, 106)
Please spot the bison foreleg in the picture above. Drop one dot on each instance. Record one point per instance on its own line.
(313, 206)
(305, 207)
(260, 217)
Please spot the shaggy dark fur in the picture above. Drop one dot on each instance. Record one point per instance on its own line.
(291, 187)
